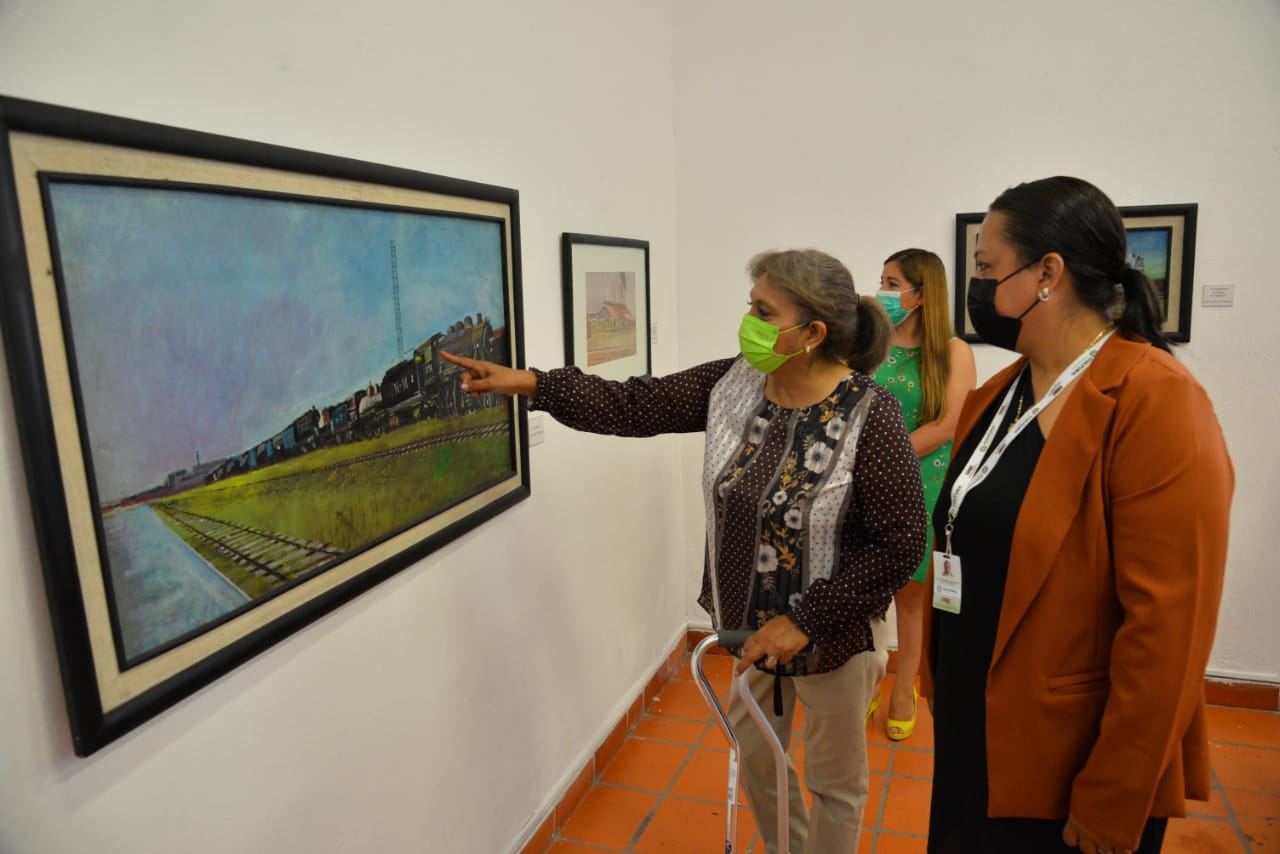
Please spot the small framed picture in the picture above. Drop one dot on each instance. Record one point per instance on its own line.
(606, 305)
(1162, 243)
(967, 227)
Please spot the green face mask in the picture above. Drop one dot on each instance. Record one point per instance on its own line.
(892, 302)
(757, 338)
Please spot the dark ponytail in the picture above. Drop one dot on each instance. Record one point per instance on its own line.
(1140, 317)
(1076, 220)
(872, 337)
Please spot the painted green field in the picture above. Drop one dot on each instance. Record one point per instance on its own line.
(353, 495)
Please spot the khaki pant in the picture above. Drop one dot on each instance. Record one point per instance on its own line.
(835, 752)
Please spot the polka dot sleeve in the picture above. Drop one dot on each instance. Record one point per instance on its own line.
(883, 540)
(640, 406)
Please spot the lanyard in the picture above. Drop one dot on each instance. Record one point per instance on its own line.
(975, 471)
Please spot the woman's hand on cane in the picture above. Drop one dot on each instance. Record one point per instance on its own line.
(777, 642)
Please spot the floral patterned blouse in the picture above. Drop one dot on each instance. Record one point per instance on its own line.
(816, 513)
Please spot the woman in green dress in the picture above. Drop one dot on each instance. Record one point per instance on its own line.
(929, 371)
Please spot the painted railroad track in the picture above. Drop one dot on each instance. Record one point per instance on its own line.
(399, 450)
(265, 553)
(419, 444)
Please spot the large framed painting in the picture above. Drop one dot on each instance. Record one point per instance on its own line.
(1162, 243)
(226, 367)
(606, 304)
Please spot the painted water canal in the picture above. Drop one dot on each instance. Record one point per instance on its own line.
(162, 588)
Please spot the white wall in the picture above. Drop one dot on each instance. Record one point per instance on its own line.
(442, 710)
(446, 708)
(863, 128)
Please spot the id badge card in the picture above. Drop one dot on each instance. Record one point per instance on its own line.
(946, 582)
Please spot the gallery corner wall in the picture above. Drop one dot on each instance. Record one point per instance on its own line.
(448, 707)
(864, 128)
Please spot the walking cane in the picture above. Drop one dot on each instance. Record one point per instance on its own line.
(735, 640)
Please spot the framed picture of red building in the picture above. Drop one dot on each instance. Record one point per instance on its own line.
(606, 305)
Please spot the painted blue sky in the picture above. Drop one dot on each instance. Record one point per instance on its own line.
(210, 321)
(1153, 245)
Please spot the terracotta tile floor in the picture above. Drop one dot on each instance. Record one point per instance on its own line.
(664, 791)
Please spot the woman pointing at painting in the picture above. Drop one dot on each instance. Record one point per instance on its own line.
(814, 508)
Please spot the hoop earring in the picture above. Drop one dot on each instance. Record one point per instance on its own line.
(1045, 295)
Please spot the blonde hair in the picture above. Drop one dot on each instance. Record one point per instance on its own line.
(859, 332)
(924, 270)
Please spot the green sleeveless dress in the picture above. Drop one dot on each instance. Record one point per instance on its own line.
(900, 374)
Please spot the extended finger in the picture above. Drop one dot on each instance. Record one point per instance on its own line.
(475, 378)
(458, 360)
(475, 387)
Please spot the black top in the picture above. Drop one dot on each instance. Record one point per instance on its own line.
(964, 642)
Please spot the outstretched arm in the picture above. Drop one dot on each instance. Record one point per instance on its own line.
(488, 378)
(640, 406)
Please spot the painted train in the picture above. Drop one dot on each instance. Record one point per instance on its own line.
(421, 386)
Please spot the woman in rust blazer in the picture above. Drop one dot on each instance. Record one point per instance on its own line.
(1086, 515)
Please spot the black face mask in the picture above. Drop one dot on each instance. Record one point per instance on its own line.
(992, 327)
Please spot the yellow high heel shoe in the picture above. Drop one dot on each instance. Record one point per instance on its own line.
(901, 730)
(871, 710)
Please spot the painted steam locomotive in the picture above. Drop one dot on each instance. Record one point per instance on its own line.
(421, 386)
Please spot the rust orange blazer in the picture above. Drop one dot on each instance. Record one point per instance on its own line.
(1095, 692)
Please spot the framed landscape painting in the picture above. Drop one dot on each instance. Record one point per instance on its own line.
(1161, 243)
(226, 364)
(606, 305)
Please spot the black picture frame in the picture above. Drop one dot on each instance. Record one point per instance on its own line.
(606, 304)
(967, 225)
(1172, 270)
(60, 165)
(1169, 229)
